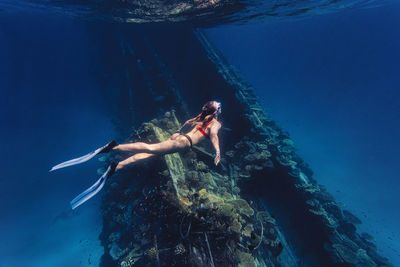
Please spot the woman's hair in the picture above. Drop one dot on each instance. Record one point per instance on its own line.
(208, 112)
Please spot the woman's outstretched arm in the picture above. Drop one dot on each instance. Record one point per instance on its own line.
(190, 121)
(215, 141)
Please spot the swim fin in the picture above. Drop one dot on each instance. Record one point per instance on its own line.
(103, 149)
(94, 189)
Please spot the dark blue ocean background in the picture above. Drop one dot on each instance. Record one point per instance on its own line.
(51, 110)
(332, 81)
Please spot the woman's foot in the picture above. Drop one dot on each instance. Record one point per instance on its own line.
(113, 167)
(108, 147)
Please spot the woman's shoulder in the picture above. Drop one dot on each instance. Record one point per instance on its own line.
(216, 122)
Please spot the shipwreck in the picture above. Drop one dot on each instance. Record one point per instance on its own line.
(260, 207)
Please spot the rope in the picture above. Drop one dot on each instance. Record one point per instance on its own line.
(188, 230)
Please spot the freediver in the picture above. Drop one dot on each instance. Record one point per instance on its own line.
(205, 125)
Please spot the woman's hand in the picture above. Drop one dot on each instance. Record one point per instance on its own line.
(189, 121)
(217, 158)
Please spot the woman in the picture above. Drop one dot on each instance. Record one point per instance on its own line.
(206, 125)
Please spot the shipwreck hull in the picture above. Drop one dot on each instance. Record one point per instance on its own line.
(260, 207)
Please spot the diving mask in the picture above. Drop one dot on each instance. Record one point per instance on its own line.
(219, 107)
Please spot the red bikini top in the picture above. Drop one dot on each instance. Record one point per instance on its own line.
(202, 130)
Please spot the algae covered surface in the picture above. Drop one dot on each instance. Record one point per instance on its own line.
(194, 216)
(181, 210)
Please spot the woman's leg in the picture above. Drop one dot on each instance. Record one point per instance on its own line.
(168, 146)
(133, 159)
(138, 146)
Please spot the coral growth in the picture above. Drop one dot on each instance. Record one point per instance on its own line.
(192, 199)
(186, 206)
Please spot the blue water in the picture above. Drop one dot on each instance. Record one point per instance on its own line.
(333, 82)
(50, 111)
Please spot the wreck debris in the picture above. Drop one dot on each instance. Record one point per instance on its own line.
(242, 210)
(206, 200)
(283, 162)
(200, 198)
(209, 250)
